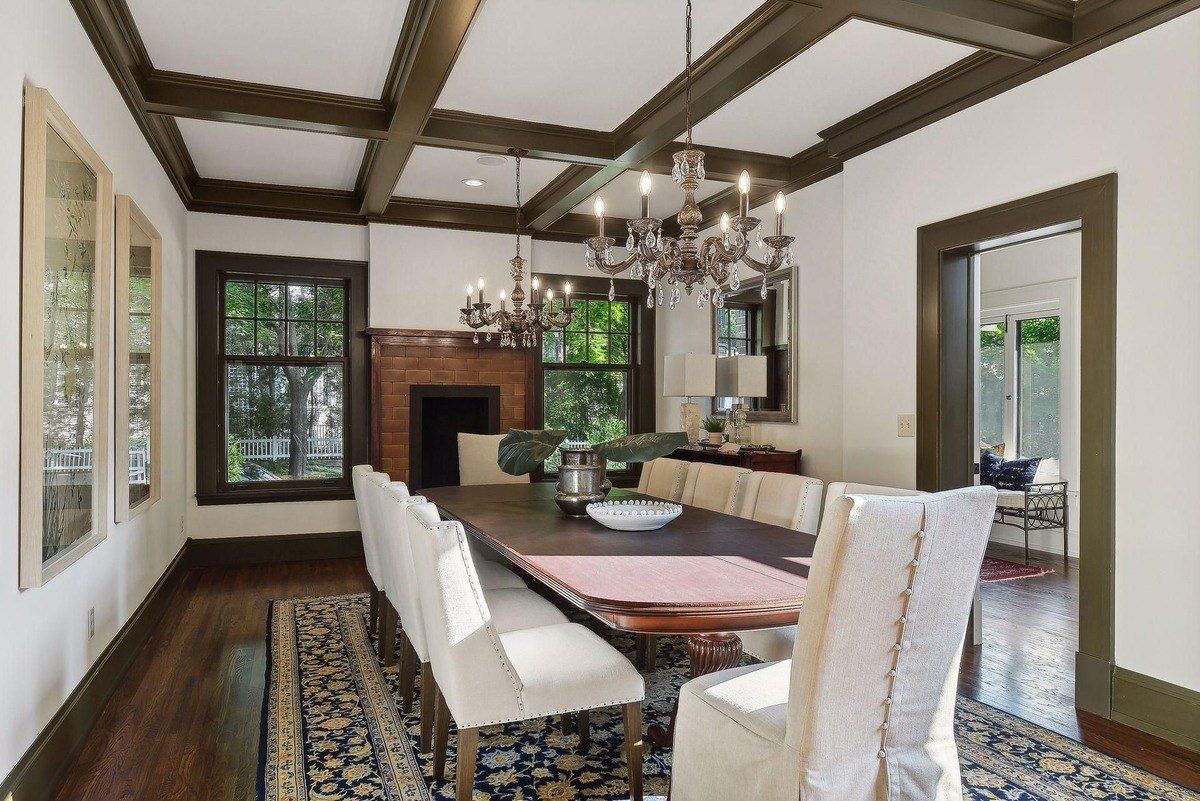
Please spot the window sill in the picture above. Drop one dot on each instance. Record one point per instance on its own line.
(303, 495)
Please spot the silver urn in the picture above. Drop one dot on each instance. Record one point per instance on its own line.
(580, 480)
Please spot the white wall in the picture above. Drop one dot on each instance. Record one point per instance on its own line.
(276, 238)
(46, 646)
(1131, 109)
(814, 217)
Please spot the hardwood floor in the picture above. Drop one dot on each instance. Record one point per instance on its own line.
(185, 722)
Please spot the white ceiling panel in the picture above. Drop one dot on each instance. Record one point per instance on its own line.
(623, 196)
(272, 155)
(324, 46)
(854, 67)
(435, 173)
(579, 62)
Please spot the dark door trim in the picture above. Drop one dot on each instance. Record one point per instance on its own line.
(946, 392)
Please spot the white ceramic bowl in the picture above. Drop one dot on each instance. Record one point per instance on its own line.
(634, 515)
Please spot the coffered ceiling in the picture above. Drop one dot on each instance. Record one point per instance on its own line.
(379, 109)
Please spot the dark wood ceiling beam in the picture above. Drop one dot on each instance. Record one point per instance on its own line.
(270, 200)
(998, 26)
(480, 217)
(426, 54)
(476, 132)
(774, 34)
(203, 98)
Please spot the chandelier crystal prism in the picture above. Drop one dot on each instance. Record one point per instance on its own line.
(520, 326)
(667, 263)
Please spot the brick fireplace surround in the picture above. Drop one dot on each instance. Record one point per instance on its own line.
(401, 358)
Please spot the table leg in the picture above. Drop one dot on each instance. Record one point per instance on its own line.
(707, 653)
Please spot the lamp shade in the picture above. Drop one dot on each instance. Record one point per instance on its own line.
(742, 377)
(690, 375)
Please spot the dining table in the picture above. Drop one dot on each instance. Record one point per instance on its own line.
(704, 576)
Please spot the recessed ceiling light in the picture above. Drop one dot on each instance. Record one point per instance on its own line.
(491, 161)
(475, 182)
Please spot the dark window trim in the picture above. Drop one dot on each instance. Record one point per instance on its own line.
(210, 425)
(643, 417)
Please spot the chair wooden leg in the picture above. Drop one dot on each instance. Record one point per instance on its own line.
(464, 772)
(408, 673)
(387, 634)
(565, 724)
(429, 696)
(441, 737)
(651, 652)
(583, 726)
(633, 748)
(373, 615)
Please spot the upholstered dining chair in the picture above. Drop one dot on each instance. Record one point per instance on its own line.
(663, 478)
(791, 501)
(865, 707)
(515, 607)
(477, 455)
(837, 488)
(362, 501)
(717, 487)
(486, 676)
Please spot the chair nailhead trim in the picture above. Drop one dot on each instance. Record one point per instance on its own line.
(882, 754)
(887, 701)
(901, 646)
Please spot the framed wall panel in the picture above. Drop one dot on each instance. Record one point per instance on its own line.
(137, 463)
(66, 303)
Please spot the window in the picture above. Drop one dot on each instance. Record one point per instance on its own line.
(1020, 379)
(736, 334)
(285, 415)
(591, 383)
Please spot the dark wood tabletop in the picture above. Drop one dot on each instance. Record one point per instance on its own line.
(704, 572)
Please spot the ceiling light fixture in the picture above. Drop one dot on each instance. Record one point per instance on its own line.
(684, 260)
(523, 323)
(491, 161)
(474, 182)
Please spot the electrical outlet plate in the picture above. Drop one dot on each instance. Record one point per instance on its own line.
(906, 425)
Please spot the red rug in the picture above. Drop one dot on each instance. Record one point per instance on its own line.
(994, 570)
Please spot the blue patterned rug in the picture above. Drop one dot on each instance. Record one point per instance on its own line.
(332, 730)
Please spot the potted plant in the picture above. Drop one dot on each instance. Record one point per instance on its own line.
(715, 426)
(581, 476)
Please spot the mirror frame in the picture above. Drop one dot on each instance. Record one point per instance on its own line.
(791, 414)
(129, 215)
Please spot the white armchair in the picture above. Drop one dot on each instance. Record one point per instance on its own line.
(362, 501)
(515, 607)
(486, 676)
(477, 455)
(785, 500)
(663, 478)
(865, 708)
(717, 487)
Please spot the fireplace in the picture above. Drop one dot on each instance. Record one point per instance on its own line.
(437, 415)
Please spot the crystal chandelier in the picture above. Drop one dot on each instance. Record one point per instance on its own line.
(521, 325)
(667, 263)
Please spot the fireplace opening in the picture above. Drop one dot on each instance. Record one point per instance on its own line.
(437, 415)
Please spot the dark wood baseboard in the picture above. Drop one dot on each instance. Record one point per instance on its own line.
(1158, 707)
(41, 768)
(277, 548)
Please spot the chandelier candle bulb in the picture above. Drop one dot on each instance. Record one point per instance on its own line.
(503, 297)
(537, 285)
(480, 285)
(744, 194)
(598, 207)
(779, 204)
(469, 293)
(567, 292)
(645, 185)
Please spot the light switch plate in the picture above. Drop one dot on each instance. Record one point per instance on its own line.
(906, 425)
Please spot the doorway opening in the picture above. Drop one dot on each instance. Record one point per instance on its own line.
(951, 425)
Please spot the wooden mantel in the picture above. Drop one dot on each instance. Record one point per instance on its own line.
(404, 357)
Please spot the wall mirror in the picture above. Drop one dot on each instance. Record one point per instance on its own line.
(66, 300)
(138, 373)
(750, 324)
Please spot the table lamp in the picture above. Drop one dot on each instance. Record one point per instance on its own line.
(741, 377)
(689, 375)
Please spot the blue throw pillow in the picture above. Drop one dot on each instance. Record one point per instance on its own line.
(1013, 474)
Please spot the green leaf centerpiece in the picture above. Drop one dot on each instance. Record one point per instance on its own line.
(641, 447)
(522, 451)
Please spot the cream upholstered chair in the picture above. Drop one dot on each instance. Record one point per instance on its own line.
(837, 488)
(715, 486)
(362, 500)
(486, 676)
(477, 455)
(513, 607)
(864, 710)
(663, 478)
(784, 500)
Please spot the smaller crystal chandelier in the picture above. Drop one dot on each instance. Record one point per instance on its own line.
(684, 261)
(523, 323)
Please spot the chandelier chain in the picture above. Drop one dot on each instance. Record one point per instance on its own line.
(687, 73)
(517, 154)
